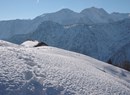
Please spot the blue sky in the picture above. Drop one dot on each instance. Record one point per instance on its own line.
(25, 9)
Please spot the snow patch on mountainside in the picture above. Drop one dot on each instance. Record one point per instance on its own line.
(53, 71)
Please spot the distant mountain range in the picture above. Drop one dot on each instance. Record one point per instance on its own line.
(92, 32)
(65, 17)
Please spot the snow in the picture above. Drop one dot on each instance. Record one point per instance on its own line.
(70, 26)
(52, 71)
(30, 43)
(7, 44)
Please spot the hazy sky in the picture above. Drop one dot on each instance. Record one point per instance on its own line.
(13, 9)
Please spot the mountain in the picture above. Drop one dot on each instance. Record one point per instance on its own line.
(65, 17)
(14, 27)
(67, 37)
(97, 15)
(119, 16)
(100, 41)
(122, 57)
(51, 71)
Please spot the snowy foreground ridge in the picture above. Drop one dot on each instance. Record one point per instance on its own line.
(51, 71)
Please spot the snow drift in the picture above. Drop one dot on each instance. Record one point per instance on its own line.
(52, 71)
(33, 43)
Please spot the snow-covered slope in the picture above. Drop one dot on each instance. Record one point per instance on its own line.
(7, 44)
(30, 43)
(52, 71)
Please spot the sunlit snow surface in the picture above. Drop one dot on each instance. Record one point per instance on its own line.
(30, 43)
(52, 71)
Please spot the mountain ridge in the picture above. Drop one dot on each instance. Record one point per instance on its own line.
(10, 28)
(101, 40)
